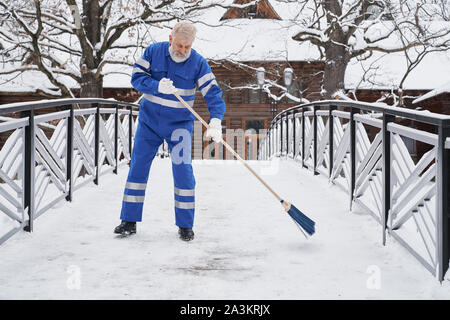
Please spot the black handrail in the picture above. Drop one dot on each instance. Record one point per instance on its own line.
(421, 116)
(39, 104)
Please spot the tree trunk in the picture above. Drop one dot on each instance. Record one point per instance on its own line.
(336, 54)
(91, 86)
(337, 59)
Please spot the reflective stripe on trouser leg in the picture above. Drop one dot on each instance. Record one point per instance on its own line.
(146, 143)
(184, 207)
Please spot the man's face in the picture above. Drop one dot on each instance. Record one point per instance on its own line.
(180, 46)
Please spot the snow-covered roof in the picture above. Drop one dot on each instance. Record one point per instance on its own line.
(265, 40)
(445, 88)
(388, 70)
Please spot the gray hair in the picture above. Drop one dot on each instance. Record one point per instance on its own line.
(184, 29)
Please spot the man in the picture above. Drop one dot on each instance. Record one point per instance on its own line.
(164, 68)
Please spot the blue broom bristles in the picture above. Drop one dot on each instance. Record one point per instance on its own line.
(302, 220)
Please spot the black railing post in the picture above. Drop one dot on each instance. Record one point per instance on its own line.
(269, 135)
(303, 137)
(331, 140)
(386, 143)
(293, 135)
(130, 132)
(29, 168)
(276, 138)
(69, 155)
(353, 111)
(97, 143)
(281, 136)
(443, 190)
(315, 140)
(287, 135)
(116, 138)
(273, 146)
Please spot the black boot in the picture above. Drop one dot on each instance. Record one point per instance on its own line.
(126, 228)
(186, 234)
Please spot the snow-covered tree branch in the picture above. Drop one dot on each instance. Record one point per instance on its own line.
(73, 42)
(355, 29)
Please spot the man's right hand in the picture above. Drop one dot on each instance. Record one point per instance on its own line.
(166, 86)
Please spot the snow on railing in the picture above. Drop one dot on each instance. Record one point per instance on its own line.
(44, 158)
(397, 173)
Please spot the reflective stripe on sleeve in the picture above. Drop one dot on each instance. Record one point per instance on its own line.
(205, 90)
(138, 70)
(205, 78)
(143, 63)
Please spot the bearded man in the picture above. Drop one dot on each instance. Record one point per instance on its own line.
(165, 68)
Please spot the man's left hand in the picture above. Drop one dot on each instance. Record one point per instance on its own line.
(215, 130)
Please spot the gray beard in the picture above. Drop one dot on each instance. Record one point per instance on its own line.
(178, 59)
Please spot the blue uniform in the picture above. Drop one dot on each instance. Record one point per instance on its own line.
(163, 117)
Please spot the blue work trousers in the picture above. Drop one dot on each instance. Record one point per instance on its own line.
(148, 138)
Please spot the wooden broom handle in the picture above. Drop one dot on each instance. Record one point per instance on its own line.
(228, 147)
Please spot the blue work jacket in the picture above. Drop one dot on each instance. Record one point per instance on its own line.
(156, 64)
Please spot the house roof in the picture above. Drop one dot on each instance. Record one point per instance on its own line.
(445, 88)
(388, 70)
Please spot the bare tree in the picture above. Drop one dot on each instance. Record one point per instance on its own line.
(75, 41)
(344, 30)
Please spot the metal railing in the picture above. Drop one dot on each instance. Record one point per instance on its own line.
(363, 148)
(46, 157)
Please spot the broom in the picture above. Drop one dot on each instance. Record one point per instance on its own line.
(300, 219)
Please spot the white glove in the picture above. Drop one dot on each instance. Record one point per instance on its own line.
(166, 86)
(215, 130)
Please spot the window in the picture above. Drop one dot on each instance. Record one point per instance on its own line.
(254, 124)
(255, 96)
(251, 11)
(252, 129)
(224, 126)
(294, 90)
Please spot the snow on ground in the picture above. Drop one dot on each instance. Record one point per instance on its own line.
(245, 246)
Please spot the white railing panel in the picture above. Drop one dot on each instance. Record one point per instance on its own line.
(12, 214)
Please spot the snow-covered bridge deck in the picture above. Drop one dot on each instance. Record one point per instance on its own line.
(246, 247)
